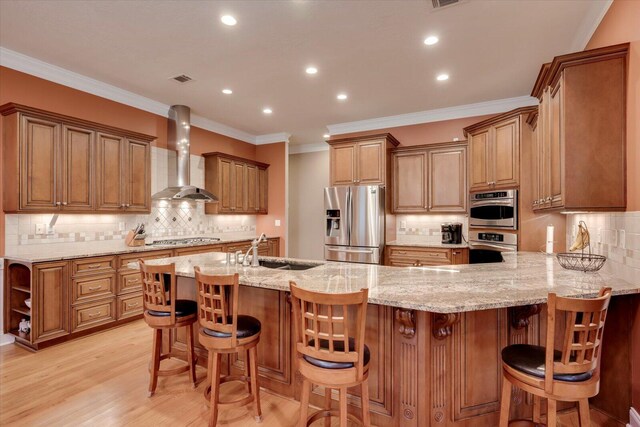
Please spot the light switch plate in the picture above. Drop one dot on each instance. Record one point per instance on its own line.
(622, 239)
(277, 223)
(403, 224)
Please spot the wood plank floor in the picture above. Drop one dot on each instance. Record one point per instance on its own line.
(102, 380)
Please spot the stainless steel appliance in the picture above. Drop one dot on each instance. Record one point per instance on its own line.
(495, 209)
(451, 233)
(487, 246)
(185, 241)
(354, 224)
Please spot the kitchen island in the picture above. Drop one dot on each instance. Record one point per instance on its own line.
(435, 333)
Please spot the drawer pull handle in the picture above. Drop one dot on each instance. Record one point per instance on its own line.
(94, 266)
(136, 280)
(95, 288)
(94, 314)
(133, 305)
(401, 253)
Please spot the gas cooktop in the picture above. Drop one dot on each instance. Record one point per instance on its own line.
(186, 241)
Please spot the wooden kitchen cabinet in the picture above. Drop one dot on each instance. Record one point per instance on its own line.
(55, 163)
(50, 301)
(429, 178)
(579, 158)
(360, 160)
(415, 256)
(494, 150)
(240, 184)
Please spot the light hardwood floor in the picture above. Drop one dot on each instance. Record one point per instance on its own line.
(102, 380)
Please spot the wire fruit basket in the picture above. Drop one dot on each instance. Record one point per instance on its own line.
(582, 261)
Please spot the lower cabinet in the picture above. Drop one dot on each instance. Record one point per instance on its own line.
(411, 256)
(92, 314)
(50, 299)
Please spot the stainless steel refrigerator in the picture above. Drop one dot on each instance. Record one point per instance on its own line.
(354, 225)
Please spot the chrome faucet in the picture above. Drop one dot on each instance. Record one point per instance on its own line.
(254, 247)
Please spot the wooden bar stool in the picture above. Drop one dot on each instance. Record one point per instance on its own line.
(327, 354)
(570, 375)
(163, 311)
(223, 331)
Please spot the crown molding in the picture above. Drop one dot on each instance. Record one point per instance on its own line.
(428, 116)
(272, 138)
(594, 16)
(308, 148)
(53, 73)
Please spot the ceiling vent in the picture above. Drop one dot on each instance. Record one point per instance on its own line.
(437, 4)
(183, 78)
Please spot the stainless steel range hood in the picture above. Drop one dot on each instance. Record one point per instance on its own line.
(179, 140)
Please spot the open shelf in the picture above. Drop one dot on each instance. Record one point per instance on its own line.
(22, 310)
(21, 288)
(17, 290)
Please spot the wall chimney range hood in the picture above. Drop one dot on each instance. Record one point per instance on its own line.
(179, 140)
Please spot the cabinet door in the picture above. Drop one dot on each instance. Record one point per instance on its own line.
(545, 151)
(138, 177)
(253, 199)
(109, 173)
(460, 256)
(556, 167)
(239, 192)
(535, 161)
(40, 172)
(410, 182)
(78, 171)
(478, 161)
(263, 190)
(51, 306)
(274, 247)
(343, 164)
(225, 188)
(448, 180)
(370, 159)
(506, 154)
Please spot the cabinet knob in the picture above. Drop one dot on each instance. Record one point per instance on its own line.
(549, 199)
(64, 203)
(58, 203)
(127, 205)
(122, 206)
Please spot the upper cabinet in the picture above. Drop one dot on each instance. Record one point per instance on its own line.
(494, 151)
(429, 179)
(579, 147)
(55, 163)
(241, 185)
(360, 160)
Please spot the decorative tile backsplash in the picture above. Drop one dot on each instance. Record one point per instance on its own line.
(166, 220)
(615, 235)
(426, 228)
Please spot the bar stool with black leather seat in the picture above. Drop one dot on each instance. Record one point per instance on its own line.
(569, 375)
(327, 354)
(224, 331)
(163, 311)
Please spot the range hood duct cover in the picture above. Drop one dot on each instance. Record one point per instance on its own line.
(179, 140)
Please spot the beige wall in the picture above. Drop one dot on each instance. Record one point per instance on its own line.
(308, 175)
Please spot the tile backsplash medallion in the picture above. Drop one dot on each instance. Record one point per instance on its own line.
(166, 220)
(426, 228)
(615, 235)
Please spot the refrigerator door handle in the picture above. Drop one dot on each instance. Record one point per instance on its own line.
(349, 214)
(351, 251)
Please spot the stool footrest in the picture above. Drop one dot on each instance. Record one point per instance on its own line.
(323, 413)
(240, 401)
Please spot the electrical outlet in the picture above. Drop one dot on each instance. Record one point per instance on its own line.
(277, 223)
(599, 237)
(41, 228)
(403, 224)
(622, 239)
(121, 226)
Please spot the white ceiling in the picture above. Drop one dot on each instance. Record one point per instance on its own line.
(372, 50)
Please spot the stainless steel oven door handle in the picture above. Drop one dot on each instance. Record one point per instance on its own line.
(501, 248)
(352, 251)
(486, 202)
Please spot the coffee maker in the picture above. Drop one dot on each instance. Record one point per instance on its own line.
(451, 233)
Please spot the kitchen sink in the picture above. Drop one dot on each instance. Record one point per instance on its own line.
(283, 265)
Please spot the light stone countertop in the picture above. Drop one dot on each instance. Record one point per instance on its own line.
(427, 245)
(524, 278)
(65, 251)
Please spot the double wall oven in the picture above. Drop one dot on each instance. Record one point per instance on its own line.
(493, 225)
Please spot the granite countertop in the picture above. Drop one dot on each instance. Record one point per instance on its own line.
(65, 251)
(427, 245)
(524, 278)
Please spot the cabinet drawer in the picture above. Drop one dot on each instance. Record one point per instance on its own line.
(129, 282)
(91, 287)
(126, 259)
(198, 250)
(93, 265)
(418, 256)
(93, 314)
(130, 305)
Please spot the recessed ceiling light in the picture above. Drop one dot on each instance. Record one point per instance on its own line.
(267, 111)
(227, 91)
(311, 70)
(342, 96)
(326, 136)
(442, 77)
(431, 40)
(228, 20)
